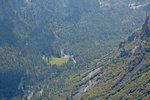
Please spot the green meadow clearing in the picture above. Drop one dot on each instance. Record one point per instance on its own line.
(55, 60)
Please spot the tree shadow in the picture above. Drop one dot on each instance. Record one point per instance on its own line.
(6, 33)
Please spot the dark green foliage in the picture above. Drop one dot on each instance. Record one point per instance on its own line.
(146, 27)
(9, 83)
(6, 33)
(43, 27)
(128, 78)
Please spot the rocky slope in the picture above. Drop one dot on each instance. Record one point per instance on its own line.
(30, 29)
(125, 74)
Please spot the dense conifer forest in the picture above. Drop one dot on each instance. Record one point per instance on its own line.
(74, 49)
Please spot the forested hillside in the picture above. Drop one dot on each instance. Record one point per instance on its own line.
(45, 43)
(123, 74)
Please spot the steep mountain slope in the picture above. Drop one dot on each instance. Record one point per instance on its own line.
(9, 7)
(124, 74)
(33, 29)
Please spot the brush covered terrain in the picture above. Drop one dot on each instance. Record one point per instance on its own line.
(66, 49)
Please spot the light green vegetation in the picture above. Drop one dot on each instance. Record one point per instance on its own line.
(55, 60)
(83, 28)
(58, 61)
(65, 3)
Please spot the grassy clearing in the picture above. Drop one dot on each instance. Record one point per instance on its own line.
(58, 61)
(54, 60)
